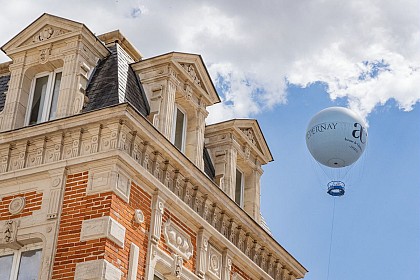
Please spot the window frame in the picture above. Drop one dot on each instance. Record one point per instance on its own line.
(242, 196)
(17, 257)
(184, 128)
(49, 92)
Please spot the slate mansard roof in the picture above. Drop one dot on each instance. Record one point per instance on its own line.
(114, 82)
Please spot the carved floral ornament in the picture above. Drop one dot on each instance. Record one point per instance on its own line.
(178, 240)
(46, 33)
(191, 71)
(249, 134)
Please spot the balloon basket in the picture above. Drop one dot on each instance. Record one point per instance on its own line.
(336, 188)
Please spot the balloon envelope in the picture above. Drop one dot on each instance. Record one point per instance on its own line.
(336, 137)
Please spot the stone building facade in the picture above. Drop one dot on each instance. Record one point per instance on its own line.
(108, 170)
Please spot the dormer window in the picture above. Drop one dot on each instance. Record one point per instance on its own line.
(239, 188)
(43, 99)
(180, 125)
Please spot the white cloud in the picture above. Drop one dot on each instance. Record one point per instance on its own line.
(252, 47)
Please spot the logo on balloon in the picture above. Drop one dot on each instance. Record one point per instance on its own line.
(358, 133)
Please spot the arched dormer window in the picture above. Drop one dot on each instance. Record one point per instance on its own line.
(43, 97)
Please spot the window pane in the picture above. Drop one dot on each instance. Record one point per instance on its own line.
(54, 98)
(38, 100)
(238, 188)
(30, 263)
(155, 277)
(179, 129)
(5, 267)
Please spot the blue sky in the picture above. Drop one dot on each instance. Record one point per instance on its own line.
(281, 62)
(377, 226)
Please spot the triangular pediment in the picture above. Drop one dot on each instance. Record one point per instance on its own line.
(190, 70)
(47, 28)
(248, 133)
(45, 33)
(192, 65)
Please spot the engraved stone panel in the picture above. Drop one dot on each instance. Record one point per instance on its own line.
(97, 270)
(107, 180)
(103, 227)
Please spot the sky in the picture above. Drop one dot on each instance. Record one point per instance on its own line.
(281, 62)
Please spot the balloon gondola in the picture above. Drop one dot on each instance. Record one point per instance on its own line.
(336, 137)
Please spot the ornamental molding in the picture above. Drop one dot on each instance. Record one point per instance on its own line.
(178, 240)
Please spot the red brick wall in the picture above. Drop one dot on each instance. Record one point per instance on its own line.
(123, 213)
(236, 269)
(191, 263)
(76, 208)
(33, 202)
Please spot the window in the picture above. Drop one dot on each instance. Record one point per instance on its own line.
(22, 264)
(178, 138)
(43, 98)
(239, 188)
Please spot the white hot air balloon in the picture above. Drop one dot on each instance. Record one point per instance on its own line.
(336, 137)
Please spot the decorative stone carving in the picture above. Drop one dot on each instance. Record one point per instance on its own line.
(249, 134)
(138, 216)
(158, 208)
(8, 237)
(46, 33)
(215, 262)
(17, 205)
(44, 55)
(103, 227)
(191, 71)
(97, 269)
(178, 240)
(202, 248)
(227, 265)
(177, 267)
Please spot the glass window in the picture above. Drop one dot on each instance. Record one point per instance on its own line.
(38, 99)
(55, 92)
(30, 262)
(44, 98)
(23, 264)
(6, 266)
(239, 188)
(179, 131)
